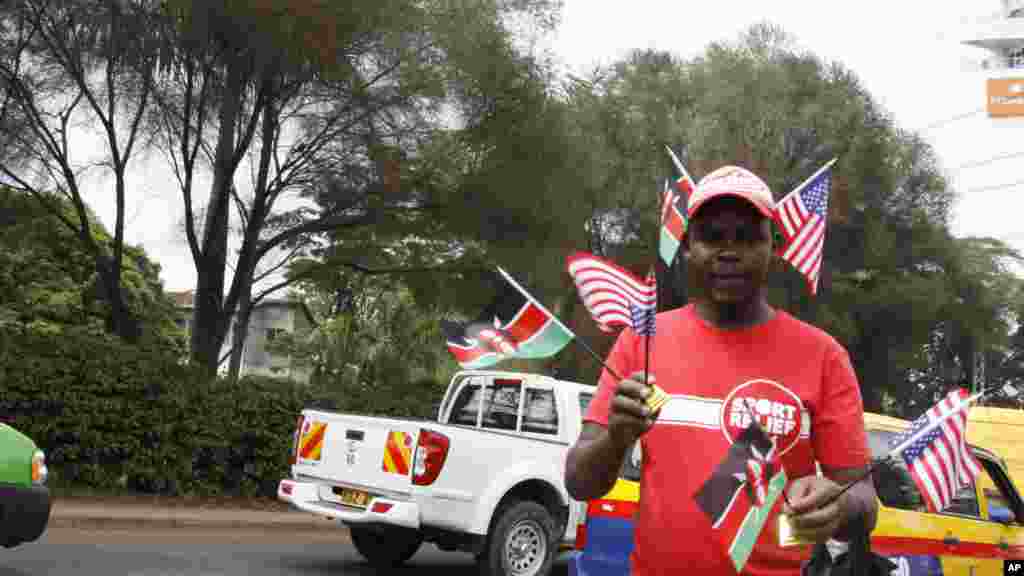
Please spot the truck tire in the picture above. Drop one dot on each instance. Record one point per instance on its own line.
(521, 542)
(389, 547)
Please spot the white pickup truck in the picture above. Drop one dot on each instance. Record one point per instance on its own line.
(485, 478)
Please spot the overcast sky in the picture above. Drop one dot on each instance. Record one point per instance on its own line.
(908, 55)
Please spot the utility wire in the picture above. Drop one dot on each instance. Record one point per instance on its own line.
(942, 123)
(987, 161)
(997, 187)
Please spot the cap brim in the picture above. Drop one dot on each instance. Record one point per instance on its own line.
(763, 210)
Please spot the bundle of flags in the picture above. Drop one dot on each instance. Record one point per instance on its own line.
(939, 460)
(514, 325)
(801, 214)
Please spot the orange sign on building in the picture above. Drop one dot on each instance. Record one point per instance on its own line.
(1005, 97)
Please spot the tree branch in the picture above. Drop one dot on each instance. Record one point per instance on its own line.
(284, 261)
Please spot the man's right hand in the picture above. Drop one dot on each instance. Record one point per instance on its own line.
(628, 416)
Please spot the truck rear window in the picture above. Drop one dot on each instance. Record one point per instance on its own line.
(466, 406)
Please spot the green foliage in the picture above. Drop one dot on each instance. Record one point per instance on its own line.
(117, 417)
(48, 278)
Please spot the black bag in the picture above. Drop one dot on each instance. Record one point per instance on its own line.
(858, 560)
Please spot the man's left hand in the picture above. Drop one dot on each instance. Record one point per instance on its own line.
(809, 516)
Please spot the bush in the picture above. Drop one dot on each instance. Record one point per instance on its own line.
(114, 416)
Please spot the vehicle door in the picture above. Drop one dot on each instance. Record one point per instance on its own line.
(1002, 510)
(578, 509)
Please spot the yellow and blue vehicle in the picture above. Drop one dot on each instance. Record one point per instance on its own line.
(982, 527)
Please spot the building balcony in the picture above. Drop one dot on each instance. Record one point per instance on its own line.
(1001, 36)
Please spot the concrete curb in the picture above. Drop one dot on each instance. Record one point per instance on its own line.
(140, 517)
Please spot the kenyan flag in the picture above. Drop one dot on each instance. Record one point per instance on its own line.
(730, 497)
(514, 325)
(673, 219)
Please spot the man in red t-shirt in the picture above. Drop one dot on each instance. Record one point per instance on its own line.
(726, 359)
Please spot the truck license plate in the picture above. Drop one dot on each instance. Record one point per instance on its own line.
(352, 497)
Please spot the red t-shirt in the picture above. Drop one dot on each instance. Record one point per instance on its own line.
(794, 377)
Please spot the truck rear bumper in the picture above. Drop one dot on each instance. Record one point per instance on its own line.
(305, 496)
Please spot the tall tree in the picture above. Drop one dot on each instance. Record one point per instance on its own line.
(338, 109)
(66, 64)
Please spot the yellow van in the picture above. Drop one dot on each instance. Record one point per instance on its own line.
(981, 528)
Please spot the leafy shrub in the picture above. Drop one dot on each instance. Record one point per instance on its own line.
(114, 416)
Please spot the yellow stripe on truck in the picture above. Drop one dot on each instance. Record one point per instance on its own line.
(397, 453)
(311, 444)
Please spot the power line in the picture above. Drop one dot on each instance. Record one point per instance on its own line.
(997, 187)
(987, 161)
(941, 123)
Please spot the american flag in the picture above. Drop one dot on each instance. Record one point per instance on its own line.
(613, 295)
(802, 216)
(940, 461)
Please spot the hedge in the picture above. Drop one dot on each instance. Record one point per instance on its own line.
(116, 417)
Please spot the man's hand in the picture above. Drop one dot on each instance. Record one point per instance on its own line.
(628, 416)
(810, 517)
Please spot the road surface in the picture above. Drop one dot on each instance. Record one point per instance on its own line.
(166, 552)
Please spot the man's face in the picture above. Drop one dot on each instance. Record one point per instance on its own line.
(728, 250)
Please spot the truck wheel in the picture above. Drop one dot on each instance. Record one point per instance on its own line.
(386, 548)
(521, 542)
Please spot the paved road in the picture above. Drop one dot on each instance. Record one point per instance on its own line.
(160, 552)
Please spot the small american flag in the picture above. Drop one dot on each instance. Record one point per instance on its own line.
(939, 460)
(802, 216)
(610, 292)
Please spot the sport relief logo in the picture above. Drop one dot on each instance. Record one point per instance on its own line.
(776, 409)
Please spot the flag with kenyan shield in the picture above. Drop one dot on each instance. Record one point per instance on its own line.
(514, 325)
(741, 493)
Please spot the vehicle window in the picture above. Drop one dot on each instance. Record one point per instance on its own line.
(501, 405)
(896, 487)
(466, 406)
(965, 502)
(540, 415)
(478, 380)
(996, 488)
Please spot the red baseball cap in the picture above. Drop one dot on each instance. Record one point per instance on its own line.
(732, 181)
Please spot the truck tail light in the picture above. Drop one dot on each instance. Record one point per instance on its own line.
(431, 453)
(295, 440)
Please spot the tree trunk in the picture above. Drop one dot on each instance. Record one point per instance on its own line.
(241, 289)
(239, 335)
(121, 321)
(210, 324)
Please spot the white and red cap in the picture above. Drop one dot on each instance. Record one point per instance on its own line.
(732, 181)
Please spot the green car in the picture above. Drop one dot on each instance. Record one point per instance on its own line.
(24, 497)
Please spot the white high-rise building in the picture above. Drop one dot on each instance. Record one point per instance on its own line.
(1003, 40)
